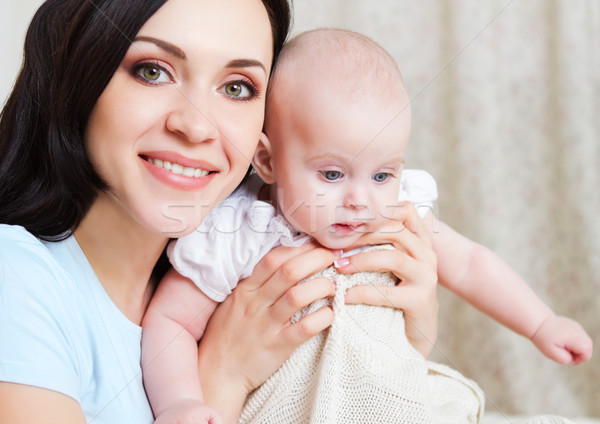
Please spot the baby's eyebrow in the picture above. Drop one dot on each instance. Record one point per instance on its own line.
(166, 46)
(393, 162)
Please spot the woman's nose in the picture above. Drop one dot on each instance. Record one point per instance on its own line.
(192, 121)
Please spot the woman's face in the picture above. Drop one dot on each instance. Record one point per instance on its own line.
(174, 131)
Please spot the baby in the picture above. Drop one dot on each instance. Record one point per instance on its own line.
(330, 168)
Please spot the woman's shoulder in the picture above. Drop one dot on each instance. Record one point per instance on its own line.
(21, 253)
(15, 234)
(31, 270)
(31, 289)
(60, 331)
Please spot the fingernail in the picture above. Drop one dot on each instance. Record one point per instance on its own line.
(341, 262)
(338, 252)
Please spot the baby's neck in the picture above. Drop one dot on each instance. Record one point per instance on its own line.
(268, 193)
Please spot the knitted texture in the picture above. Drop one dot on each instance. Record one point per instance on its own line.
(545, 419)
(495, 418)
(362, 370)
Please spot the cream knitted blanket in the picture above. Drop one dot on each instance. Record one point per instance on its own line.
(363, 370)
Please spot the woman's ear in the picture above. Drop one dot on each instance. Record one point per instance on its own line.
(262, 160)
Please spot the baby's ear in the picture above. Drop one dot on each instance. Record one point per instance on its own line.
(262, 160)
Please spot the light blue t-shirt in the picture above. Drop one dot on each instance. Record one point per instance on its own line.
(59, 330)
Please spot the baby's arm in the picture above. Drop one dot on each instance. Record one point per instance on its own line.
(483, 279)
(175, 321)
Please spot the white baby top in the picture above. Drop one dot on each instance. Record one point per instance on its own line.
(236, 235)
(60, 331)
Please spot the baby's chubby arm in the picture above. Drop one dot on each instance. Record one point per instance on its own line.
(483, 279)
(175, 321)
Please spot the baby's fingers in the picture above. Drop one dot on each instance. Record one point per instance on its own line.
(580, 349)
(563, 340)
(560, 355)
(189, 411)
(568, 354)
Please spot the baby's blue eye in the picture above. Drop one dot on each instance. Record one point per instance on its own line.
(381, 177)
(332, 175)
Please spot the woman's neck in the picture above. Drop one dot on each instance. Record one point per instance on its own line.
(122, 253)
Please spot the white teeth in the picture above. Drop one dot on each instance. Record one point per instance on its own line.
(179, 169)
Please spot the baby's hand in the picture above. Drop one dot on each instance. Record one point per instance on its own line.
(563, 340)
(189, 411)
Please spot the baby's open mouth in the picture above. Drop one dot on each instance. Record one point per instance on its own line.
(347, 228)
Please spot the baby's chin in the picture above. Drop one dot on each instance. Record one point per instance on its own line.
(345, 244)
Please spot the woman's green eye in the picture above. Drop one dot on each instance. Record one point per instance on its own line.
(332, 175)
(152, 74)
(381, 177)
(239, 90)
(234, 89)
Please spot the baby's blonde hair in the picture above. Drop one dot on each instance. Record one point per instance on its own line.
(360, 65)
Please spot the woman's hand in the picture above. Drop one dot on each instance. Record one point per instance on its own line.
(250, 335)
(415, 264)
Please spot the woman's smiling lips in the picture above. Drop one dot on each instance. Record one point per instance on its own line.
(178, 171)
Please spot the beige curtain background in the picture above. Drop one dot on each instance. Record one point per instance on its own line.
(506, 100)
(14, 19)
(506, 107)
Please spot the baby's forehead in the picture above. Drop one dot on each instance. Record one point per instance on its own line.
(337, 85)
(368, 140)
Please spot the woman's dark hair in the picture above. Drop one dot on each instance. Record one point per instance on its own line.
(72, 49)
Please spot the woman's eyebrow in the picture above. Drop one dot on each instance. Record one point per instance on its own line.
(245, 63)
(168, 47)
(177, 52)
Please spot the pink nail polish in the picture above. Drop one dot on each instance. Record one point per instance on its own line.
(341, 262)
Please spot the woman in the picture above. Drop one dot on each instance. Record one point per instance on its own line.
(106, 86)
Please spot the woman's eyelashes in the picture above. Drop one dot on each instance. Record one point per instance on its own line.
(152, 73)
(241, 89)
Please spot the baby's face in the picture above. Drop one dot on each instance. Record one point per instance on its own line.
(337, 167)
